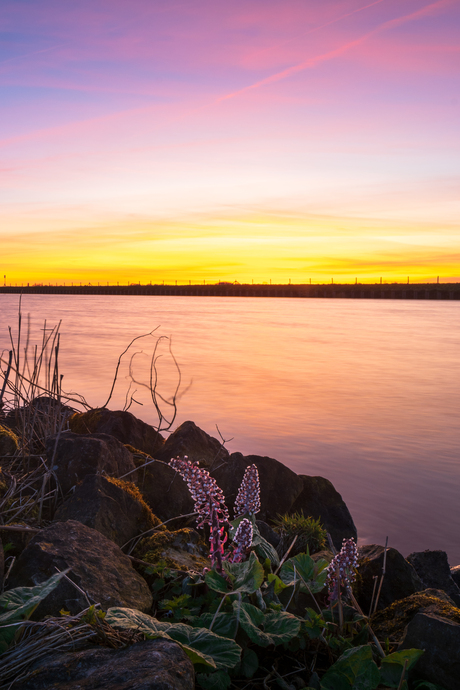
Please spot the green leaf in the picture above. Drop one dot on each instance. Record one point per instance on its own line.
(264, 629)
(249, 663)
(216, 582)
(247, 576)
(393, 664)
(220, 680)
(17, 605)
(278, 584)
(262, 547)
(224, 625)
(202, 646)
(313, 625)
(354, 670)
(302, 567)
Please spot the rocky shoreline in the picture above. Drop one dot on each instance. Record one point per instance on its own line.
(122, 507)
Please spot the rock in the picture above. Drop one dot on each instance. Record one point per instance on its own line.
(73, 456)
(196, 444)
(392, 621)
(165, 491)
(440, 638)
(399, 582)
(9, 442)
(96, 565)
(319, 499)
(182, 549)
(150, 665)
(268, 533)
(455, 574)
(124, 426)
(113, 507)
(433, 569)
(279, 486)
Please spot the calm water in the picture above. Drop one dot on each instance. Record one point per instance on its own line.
(365, 393)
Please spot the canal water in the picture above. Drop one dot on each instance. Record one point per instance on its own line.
(363, 392)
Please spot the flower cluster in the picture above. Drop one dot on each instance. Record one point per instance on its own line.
(243, 540)
(248, 498)
(208, 498)
(341, 570)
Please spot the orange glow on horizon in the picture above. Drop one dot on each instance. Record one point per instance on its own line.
(281, 248)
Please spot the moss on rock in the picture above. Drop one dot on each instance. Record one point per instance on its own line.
(134, 492)
(182, 549)
(391, 622)
(9, 442)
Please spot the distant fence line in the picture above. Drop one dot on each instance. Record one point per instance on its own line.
(435, 291)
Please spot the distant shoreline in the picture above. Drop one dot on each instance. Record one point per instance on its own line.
(418, 291)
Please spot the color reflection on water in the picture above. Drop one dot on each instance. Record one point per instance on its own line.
(364, 393)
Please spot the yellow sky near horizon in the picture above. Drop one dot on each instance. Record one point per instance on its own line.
(275, 246)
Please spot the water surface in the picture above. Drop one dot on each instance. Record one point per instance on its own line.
(363, 392)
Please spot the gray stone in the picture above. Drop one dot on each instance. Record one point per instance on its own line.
(9, 442)
(433, 569)
(455, 574)
(279, 486)
(73, 456)
(108, 508)
(150, 665)
(319, 499)
(165, 491)
(97, 566)
(400, 579)
(440, 638)
(123, 425)
(196, 444)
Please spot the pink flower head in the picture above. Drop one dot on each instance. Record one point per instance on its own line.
(208, 498)
(346, 561)
(243, 540)
(248, 498)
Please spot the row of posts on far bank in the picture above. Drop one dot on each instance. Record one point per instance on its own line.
(210, 282)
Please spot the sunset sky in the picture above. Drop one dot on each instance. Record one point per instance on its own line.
(151, 140)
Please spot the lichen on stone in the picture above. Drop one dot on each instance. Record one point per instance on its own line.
(9, 442)
(391, 622)
(182, 549)
(134, 492)
(84, 422)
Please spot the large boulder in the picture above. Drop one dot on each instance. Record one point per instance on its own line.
(73, 456)
(399, 582)
(391, 623)
(124, 426)
(440, 639)
(97, 566)
(150, 665)
(319, 499)
(196, 444)
(165, 491)
(433, 569)
(113, 507)
(279, 486)
(182, 549)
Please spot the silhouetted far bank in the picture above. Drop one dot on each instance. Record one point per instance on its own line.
(435, 291)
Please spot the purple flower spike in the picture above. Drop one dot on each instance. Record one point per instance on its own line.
(208, 498)
(248, 499)
(346, 561)
(243, 540)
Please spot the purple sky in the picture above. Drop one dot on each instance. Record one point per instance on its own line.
(209, 140)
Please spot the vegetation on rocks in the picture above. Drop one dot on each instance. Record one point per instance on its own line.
(246, 615)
